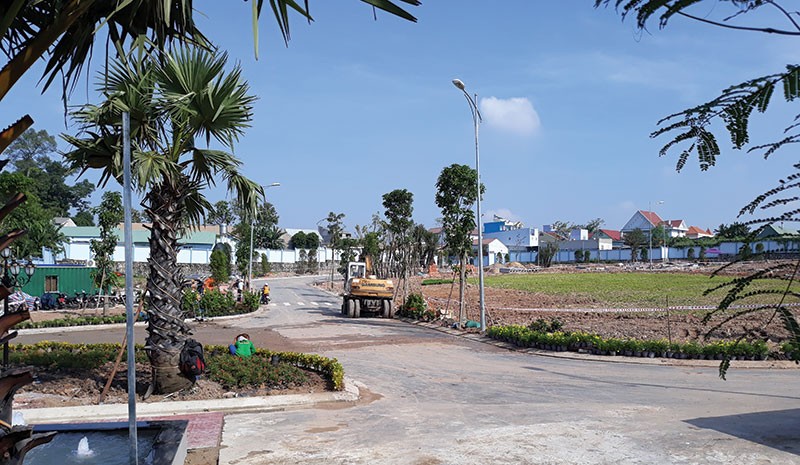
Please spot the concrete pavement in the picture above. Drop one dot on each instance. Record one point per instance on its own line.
(435, 397)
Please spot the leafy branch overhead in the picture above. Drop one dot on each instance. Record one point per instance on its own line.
(691, 129)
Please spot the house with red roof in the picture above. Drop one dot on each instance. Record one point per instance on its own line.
(615, 236)
(647, 221)
(696, 233)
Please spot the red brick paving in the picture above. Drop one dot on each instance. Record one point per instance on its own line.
(204, 429)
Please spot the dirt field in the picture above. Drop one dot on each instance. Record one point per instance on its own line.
(507, 306)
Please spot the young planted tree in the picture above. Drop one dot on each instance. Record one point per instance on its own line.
(636, 240)
(109, 215)
(335, 235)
(220, 265)
(298, 240)
(183, 98)
(456, 192)
(221, 213)
(398, 205)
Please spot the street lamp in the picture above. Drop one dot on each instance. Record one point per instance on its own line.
(11, 278)
(252, 229)
(476, 120)
(650, 230)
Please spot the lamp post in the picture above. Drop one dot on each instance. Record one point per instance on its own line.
(11, 278)
(650, 231)
(476, 120)
(252, 231)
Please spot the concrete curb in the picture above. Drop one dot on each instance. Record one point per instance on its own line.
(84, 413)
(766, 364)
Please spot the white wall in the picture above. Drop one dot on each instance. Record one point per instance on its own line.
(516, 238)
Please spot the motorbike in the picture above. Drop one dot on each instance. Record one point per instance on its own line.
(265, 295)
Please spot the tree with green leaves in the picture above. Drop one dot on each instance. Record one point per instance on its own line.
(691, 131)
(425, 245)
(399, 206)
(635, 240)
(109, 215)
(593, 225)
(456, 193)
(31, 156)
(220, 265)
(265, 266)
(42, 232)
(335, 235)
(298, 240)
(221, 213)
(347, 253)
(546, 253)
(183, 98)
(735, 230)
(84, 218)
(657, 235)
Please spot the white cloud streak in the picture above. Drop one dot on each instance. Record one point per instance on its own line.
(515, 115)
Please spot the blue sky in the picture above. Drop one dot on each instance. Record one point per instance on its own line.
(355, 108)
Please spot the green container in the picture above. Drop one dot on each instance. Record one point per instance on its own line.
(68, 279)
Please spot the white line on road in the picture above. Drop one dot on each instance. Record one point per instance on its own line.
(300, 303)
(287, 304)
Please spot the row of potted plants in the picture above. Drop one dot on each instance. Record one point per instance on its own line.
(577, 341)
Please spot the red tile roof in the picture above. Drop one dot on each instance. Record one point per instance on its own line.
(694, 230)
(614, 235)
(652, 217)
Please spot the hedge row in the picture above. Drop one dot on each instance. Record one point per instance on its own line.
(237, 308)
(56, 355)
(523, 336)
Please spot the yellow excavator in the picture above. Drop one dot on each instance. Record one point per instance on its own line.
(365, 294)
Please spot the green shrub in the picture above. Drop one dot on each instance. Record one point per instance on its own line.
(251, 300)
(791, 350)
(65, 355)
(217, 303)
(254, 372)
(190, 302)
(546, 327)
(538, 334)
(416, 308)
(55, 355)
(75, 321)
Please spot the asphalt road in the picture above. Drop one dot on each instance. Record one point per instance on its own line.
(431, 398)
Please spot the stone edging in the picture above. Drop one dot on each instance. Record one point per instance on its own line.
(82, 413)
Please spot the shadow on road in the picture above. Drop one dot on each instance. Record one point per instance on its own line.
(779, 429)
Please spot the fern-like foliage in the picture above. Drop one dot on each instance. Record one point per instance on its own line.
(775, 300)
(734, 107)
(690, 129)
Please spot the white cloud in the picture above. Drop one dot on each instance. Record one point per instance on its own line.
(515, 115)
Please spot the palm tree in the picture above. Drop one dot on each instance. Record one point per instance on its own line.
(63, 31)
(185, 97)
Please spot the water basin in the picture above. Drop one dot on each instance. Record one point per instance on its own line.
(159, 443)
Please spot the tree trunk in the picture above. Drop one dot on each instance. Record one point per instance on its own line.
(462, 281)
(166, 330)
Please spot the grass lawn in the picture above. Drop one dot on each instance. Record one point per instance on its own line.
(628, 290)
